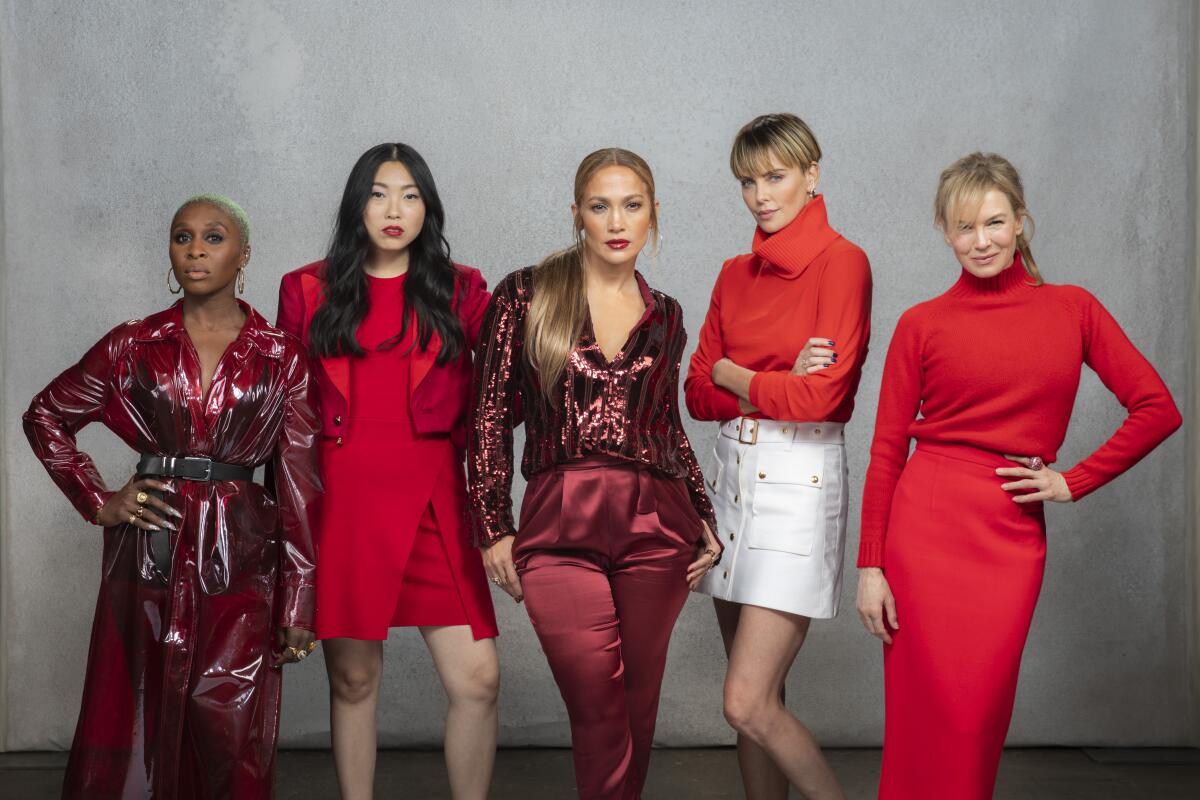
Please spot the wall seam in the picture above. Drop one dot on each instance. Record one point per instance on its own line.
(5, 605)
(1192, 468)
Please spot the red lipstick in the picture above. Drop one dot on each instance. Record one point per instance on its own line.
(617, 244)
(393, 230)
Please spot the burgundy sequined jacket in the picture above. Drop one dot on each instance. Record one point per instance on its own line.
(627, 407)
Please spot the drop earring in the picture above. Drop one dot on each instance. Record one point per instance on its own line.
(170, 288)
(241, 279)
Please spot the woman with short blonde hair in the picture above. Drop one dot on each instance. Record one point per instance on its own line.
(953, 543)
(780, 357)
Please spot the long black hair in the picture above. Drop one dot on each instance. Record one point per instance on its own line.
(429, 287)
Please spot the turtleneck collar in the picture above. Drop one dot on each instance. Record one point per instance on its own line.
(1011, 280)
(791, 249)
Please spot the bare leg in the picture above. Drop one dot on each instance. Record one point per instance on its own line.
(761, 778)
(764, 648)
(355, 667)
(470, 672)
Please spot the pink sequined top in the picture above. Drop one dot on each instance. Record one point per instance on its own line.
(627, 407)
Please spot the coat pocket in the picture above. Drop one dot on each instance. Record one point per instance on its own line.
(788, 496)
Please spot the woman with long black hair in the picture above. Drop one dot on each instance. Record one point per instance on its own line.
(391, 323)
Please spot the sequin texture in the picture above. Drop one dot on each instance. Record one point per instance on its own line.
(627, 407)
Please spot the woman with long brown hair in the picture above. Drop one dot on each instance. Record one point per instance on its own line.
(953, 544)
(615, 525)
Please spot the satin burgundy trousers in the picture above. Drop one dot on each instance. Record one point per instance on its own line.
(602, 552)
(965, 565)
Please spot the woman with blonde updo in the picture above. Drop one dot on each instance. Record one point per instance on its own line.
(953, 542)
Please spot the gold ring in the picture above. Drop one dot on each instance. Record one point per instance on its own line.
(141, 510)
(142, 497)
(311, 646)
(296, 652)
(132, 518)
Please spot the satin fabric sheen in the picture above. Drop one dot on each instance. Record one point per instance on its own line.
(180, 699)
(602, 553)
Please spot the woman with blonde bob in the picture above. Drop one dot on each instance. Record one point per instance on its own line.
(615, 525)
(953, 539)
(780, 357)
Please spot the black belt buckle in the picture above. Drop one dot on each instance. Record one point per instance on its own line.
(190, 468)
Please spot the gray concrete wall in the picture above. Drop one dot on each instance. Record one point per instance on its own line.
(113, 112)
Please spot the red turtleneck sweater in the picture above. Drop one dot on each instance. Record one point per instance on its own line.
(955, 374)
(802, 281)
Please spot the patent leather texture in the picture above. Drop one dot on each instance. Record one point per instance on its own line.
(180, 699)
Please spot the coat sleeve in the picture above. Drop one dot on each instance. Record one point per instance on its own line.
(494, 414)
(296, 483)
(844, 315)
(1152, 417)
(72, 400)
(706, 400)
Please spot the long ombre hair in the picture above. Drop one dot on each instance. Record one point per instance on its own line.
(559, 306)
(964, 183)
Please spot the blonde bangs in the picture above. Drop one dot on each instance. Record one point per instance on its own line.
(962, 201)
(772, 139)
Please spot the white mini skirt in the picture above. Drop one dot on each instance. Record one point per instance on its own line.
(780, 494)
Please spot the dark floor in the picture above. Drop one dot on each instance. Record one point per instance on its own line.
(1034, 774)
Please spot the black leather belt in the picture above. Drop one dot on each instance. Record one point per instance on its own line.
(189, 468)
(192, 468)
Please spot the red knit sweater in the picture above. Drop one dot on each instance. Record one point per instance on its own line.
(995, 363)
(803, 281)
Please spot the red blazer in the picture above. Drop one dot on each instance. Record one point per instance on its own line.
(438, 394)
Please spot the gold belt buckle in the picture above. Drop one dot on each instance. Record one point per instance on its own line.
(753, 423)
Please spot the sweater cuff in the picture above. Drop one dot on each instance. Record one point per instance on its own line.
(1080, 482)
(870, 553)
(757, 388)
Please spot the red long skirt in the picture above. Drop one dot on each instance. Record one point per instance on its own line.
(965, 564)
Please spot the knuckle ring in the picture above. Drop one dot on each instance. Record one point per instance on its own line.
(141, 498)
(132, 518)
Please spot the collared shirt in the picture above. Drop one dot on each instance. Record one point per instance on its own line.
(627, 407)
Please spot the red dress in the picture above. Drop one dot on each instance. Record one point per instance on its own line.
(179, 699)
(963, 560)
(393, 547)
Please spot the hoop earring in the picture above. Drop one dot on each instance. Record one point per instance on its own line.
(171, 289)
(241, 279)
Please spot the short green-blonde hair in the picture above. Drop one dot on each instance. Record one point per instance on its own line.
(784, 136)
(227, 205)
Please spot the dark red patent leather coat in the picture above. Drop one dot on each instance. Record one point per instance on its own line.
(180, 700)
